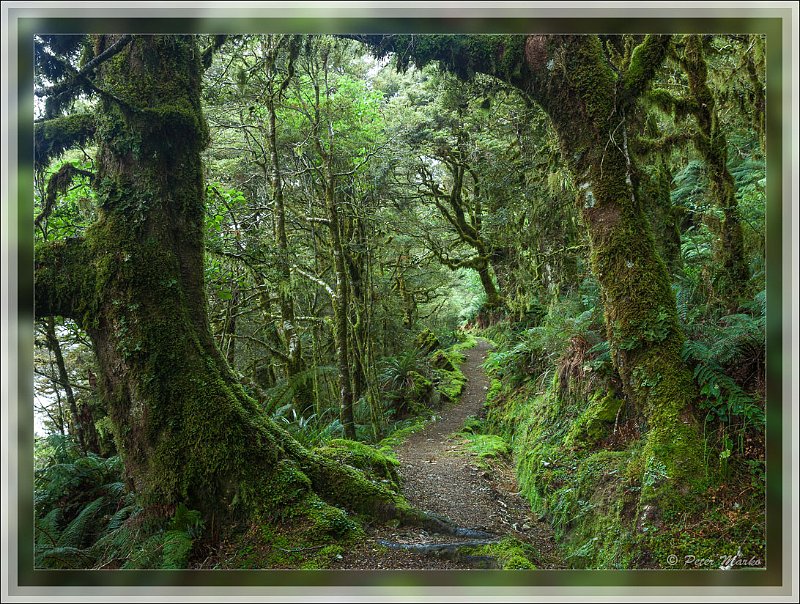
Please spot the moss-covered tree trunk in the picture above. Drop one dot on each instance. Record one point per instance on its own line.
(493, 299)
(340, 313)
(588, 99)
(731, 273)
(358, 311)
(185, 428)
(588, 104)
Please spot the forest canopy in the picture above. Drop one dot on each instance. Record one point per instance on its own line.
(262, 262)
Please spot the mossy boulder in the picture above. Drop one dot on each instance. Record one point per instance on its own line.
(595, 422)
(421, 388)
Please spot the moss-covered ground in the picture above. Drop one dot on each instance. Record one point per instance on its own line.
(583, 466)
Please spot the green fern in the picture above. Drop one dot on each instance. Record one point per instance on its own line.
(80, 529)
(396, 372)
(146, 554)
(724, 398)
(46, 530)
(689, 186)
(285, 389)
(176, 549)
(64, 557)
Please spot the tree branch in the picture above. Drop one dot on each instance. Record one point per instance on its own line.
(316, 280)
(646, 58)
(52, 137)
(65, 85)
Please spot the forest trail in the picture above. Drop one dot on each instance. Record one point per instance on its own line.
(442, 477)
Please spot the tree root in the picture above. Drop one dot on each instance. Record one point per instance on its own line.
(448, 551)
(439, 524)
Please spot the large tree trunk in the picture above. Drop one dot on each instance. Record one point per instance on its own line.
(588, 107)
(493, 299)
(186, 429)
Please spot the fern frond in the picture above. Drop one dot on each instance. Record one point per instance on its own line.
(176, 549)
(64, 557)
(46, 530)
(147, 554)
(284, 391)
(75, 533)
(121, 515)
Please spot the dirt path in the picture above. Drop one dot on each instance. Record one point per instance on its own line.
(441, 477)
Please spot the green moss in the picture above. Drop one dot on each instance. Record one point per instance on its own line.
(398, 436)
(421, 387)
(344, 486)
(469, 341)
(632, 507)
(473, 425)
(449, 383)
(53, 137)
(311, 536)
(510, 554)
(486, 445)
(646, 58)
(595, 422)
(592, 79)
(440, 360)
(427, 341)
(378, 465)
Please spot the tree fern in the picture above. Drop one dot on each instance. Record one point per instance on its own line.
(46, 530)
(64, 557)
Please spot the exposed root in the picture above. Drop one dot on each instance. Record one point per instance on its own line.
(449, 551)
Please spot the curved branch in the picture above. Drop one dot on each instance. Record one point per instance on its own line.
(646, 58)
(501, 56)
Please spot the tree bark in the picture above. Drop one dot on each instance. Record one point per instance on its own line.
(186, 430)
(340, 306)
(287, 329)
